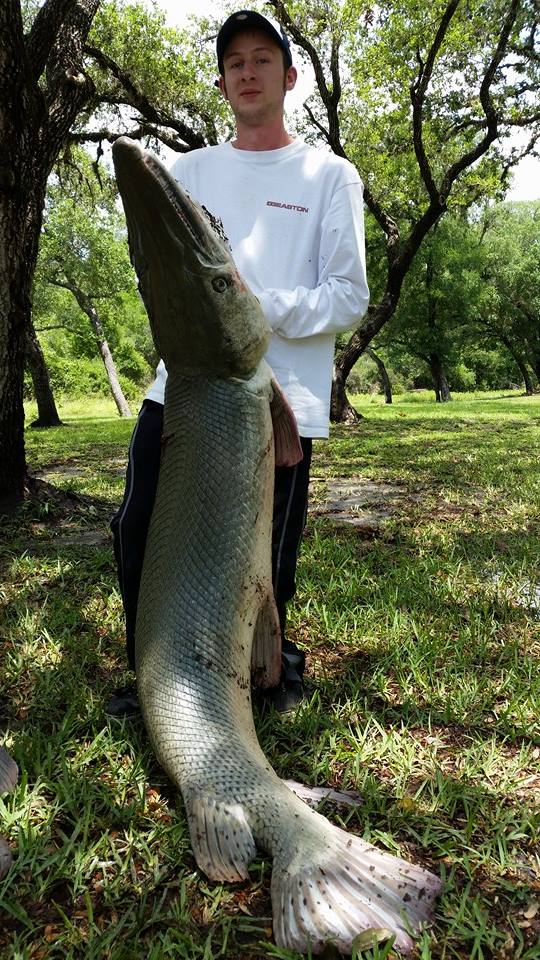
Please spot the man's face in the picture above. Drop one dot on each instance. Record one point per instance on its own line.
(255, 79)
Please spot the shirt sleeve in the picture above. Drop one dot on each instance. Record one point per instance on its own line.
(341, 296)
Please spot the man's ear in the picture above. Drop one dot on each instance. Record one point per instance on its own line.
(222, 87)
(291, 78)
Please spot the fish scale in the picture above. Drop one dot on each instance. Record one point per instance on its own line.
(206, 614)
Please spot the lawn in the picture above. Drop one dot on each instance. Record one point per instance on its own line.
(423, 639)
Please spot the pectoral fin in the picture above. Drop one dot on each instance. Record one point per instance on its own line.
(221, 836)
(266, 649)
(286, 438)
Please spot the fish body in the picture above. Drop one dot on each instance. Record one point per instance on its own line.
(206, 618)
(9, 774)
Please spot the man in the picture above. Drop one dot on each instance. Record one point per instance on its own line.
(294, 218)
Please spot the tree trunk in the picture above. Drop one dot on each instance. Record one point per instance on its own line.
(376, 316)
(121, 403)
(13, 294)
(384, 379)
(89, 309)
(440, 383)
(15, 273)
(34, 120)
(521, 364)
(536, 366)
(526, 374)
(47, 412)
(341, 410)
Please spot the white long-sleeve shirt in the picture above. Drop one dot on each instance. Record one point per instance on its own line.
(295, 221)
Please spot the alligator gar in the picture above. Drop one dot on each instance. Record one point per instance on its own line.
(206, 616)
(9, 774)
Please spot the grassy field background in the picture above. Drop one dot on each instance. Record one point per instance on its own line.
(423, 639)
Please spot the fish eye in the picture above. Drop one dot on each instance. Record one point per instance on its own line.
(220, 284)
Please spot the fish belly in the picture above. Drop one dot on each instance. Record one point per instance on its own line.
(206, 576)
(206, 579)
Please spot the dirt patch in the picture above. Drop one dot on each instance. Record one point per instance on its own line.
(61, 470)
(365, 504)
(368, 505)
(83, 538)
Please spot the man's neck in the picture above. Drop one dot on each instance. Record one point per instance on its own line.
(264, 137)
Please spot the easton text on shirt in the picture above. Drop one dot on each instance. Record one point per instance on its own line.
(287, 206)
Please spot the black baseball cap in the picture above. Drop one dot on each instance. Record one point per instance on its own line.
(243, 20)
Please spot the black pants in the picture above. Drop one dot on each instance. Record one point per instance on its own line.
(130, 526)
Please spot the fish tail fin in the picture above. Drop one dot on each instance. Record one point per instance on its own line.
(9, 772)
(351, 893)
(221, 837)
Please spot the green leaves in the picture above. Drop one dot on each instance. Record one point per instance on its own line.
(173, 69)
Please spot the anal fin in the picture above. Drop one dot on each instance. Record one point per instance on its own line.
(221, 836)
(288, 449)
(266, 648)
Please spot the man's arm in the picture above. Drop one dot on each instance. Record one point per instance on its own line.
(341, 296)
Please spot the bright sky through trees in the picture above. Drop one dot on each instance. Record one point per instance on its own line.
(526, 177)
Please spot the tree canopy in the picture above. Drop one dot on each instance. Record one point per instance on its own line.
(423, 99)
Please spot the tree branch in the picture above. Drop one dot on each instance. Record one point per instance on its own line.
(418, 94)
(315, 122)
(302, 41)
(329, 98)
(56, 326)
(43, 33)
(492, 121)
(68, 87)
(331, 102)
(115, 100)
(137, 99)
(137, 133)
(334, 70)
(387, 224)
(529, 49)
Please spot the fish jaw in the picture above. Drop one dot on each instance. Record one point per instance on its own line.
(204, 318)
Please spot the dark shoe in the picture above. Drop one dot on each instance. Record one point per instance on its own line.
(286, 697)
(289, 693)
(124, 702)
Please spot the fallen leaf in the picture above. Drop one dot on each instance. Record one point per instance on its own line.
(407, 804)
(532, 910)
(370, 937)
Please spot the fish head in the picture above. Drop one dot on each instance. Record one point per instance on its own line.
(204, 317)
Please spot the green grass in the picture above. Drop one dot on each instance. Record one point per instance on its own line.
(424, 695)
